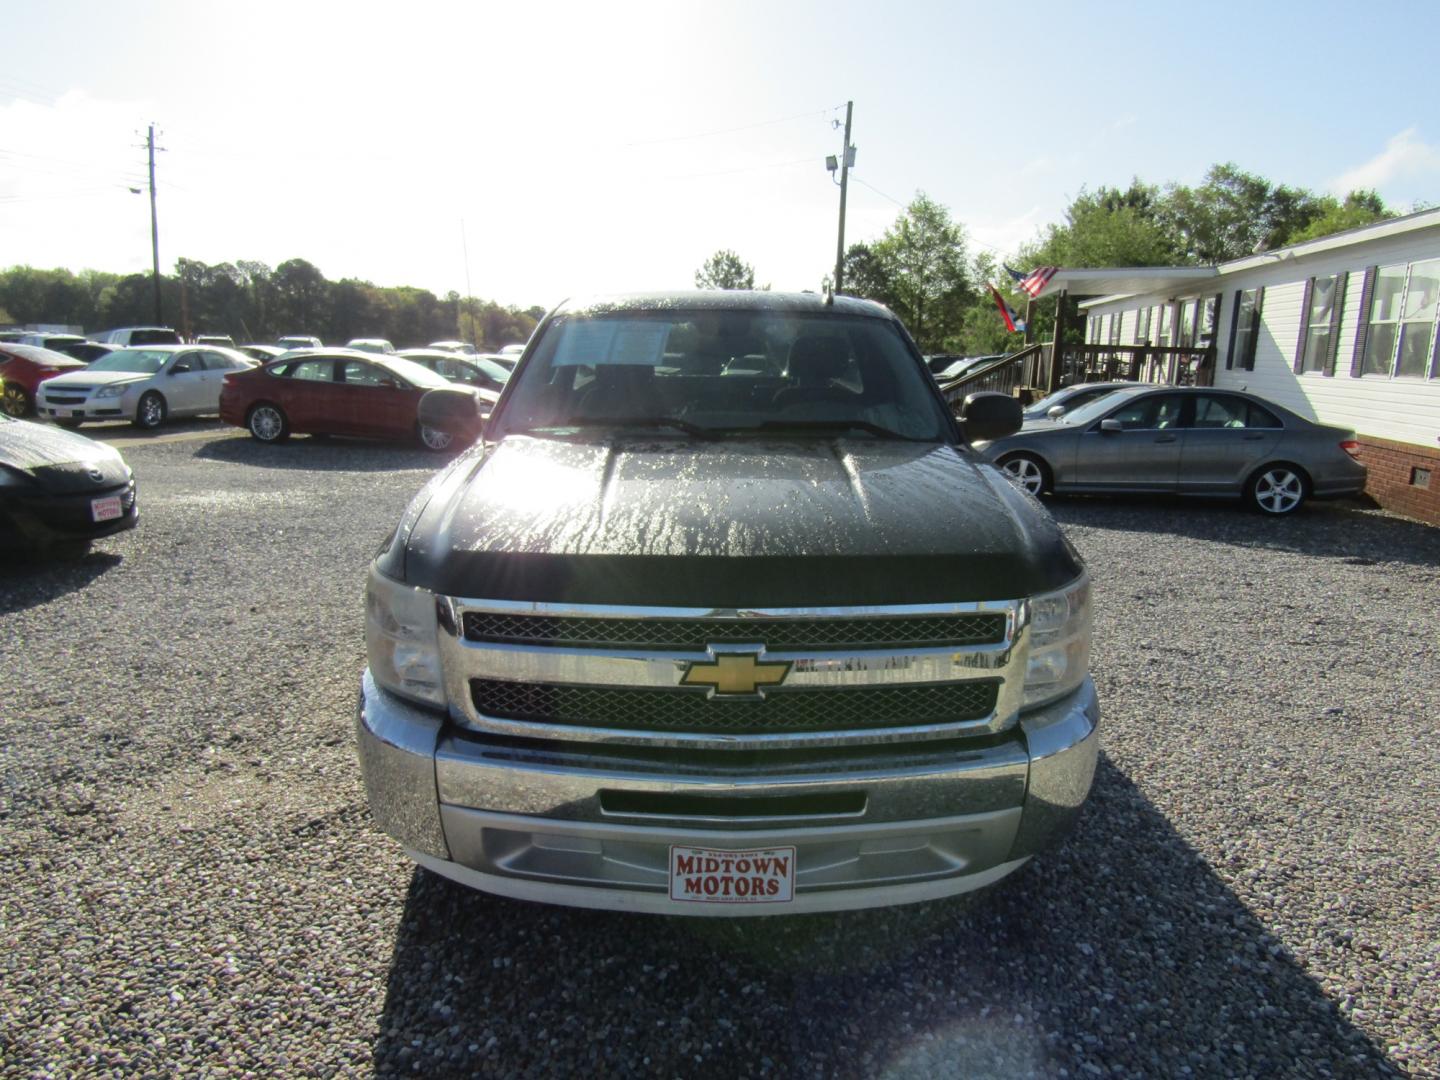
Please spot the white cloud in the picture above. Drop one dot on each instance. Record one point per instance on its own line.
(1406, 157)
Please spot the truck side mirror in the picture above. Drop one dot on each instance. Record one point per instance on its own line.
(454, 410)
(988, 415)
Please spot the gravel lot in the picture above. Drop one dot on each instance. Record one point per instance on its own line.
(193, 884)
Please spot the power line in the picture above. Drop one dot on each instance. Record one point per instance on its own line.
(730, 130)
(877, 191)
(751, 168)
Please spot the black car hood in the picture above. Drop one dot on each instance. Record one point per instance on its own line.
(737, 523)
(59, 460)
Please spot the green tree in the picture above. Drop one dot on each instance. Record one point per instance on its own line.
(725, 270)
(1106, 227)
(1359, 208)
(302, 300)
(918, 270)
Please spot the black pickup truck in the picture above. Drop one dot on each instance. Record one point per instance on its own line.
(722, 616)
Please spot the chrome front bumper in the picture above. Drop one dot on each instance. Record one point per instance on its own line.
(875, 827)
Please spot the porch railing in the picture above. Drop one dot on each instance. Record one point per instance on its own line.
(1162, 364)
(1025, 368)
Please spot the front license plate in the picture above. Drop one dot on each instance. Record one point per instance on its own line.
(715, 876)
(106, 509)
(63, 412)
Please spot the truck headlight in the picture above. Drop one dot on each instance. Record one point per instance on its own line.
(401, 637)
(1059, 643)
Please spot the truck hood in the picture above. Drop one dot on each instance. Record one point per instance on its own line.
(734, 523)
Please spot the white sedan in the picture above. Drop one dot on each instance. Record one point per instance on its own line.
(144, 385)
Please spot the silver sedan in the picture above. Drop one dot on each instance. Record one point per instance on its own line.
(145, 385)
(1188, 441)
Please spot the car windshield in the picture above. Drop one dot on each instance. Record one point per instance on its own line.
(498, 372)
(1093, 410)
(141, 361)
(415, 374)
(725, 372)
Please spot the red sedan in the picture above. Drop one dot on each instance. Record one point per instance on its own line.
(337, 392)
(22, 369)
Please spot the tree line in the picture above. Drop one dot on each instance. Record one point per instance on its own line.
(923, 270)
(253, 303)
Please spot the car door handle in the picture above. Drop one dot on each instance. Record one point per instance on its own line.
(1252, 438)
(1165, 438)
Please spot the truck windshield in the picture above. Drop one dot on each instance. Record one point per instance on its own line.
(724, 373)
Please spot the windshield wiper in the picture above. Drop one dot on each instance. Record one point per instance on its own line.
(629, 423)
(819, 426)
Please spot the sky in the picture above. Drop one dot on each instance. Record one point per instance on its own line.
(528, 152)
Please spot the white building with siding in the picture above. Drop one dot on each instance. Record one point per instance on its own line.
(1342, 330)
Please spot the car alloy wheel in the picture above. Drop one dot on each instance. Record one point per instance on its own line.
(150, 413)
(1277, 490)
(14, 401)
(1027, 472)
(267, 423)
(435, 439)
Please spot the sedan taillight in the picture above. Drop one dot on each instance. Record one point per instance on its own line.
(1351, 447)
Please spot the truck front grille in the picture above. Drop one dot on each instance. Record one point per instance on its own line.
(794, 678)
(982, 628)
(690, 710)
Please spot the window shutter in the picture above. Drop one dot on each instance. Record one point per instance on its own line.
(1362, 329)
(1234, 322)
(1254, 339)
(1304, 324)
(1337, 313)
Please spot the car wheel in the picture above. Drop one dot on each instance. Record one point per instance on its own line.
(150, 412)
(435, 439)
(1276, 490)
(1028, 471)
(267, 423)
(15, 401)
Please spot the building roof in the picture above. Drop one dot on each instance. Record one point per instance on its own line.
(1116, 283)
(1125, 280)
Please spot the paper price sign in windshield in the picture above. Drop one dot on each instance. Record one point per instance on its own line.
(758, 876)
(611, 341)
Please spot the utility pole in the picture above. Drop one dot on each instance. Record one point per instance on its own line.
(847, 155)
(154, 226)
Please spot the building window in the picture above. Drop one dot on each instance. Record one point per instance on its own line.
(1245, 328)
(1400, 339)
(1142, 326)
(1319, 332)
(1162, 333)
(1092, 330)
(1115, 328)
(1206, 336)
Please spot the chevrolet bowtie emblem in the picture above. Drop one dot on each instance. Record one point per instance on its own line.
(735, 673)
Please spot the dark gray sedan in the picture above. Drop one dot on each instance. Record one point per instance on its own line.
(1188, 441)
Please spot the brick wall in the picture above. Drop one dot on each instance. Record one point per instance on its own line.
(1390, 466)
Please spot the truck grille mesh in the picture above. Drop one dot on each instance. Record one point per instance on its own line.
(686, 710)
(930, 631)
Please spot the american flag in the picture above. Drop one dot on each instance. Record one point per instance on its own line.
(1035, 281)
(1016, 276)
(1012, 321)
